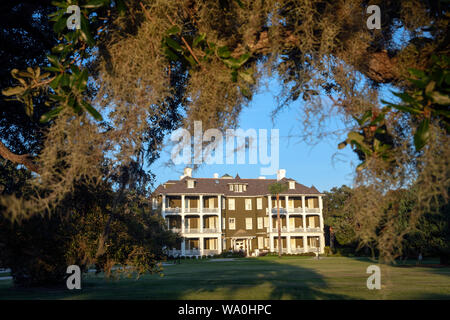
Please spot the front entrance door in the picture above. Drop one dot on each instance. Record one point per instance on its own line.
(239, 245)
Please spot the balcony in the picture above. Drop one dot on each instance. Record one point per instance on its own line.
(172, 210)
(175, 230)
(210, 210)
(282, 210)
(191, 210)
(295, 210)
(191, 230)
(297, 230)
(211, 230)
(312, 210)
(312, 229)
(297, 250)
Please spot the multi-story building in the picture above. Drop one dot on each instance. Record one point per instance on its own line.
(226, 213)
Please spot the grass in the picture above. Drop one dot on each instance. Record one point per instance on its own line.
(258, 278)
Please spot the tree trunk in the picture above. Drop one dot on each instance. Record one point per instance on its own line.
(279, 225)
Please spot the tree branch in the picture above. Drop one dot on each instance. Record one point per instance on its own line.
(23, 159)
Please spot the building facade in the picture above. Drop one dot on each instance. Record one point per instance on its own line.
(222, 214)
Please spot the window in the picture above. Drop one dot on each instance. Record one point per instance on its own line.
(223, 203)
(223, 223)
(291, 184)
(260, 242)
(290, 203)
(248, 223)
(231, 223)
(245, 187)
(248, 204)
(240, 187)
(259, 203)
(230, 204)
(266, 242)
(260, 222)
(231, 187)
(266, 222)
(211, 203)
(154, 203)
(190, 184)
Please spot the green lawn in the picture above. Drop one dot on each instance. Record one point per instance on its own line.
(258, 278)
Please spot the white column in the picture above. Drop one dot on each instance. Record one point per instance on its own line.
(304, 222)
(182, 204)
(183, 222)
(201, 223)
(219, 199)
(288, 244)
(286, 199)
(202, 244)
(219, 239)
(183, 247)
(201, 204)
(163, 205)
(305, 243)
(270, 213)
(271, 243)
(303, 204)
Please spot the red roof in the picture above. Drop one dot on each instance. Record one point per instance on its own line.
(255, 187)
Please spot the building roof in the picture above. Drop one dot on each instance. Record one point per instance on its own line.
(216, 186)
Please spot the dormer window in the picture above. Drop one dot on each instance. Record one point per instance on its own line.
(291, 184)
(190, 184)
(231, 187)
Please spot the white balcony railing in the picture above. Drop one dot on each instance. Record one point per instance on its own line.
(211, 230)
(312, 210)
(192, 252)
(210, 210)
(295, 210)
(176, 230)
(208, 252)
(297, 230)
(297, 250)
(282, 210)
(172, 210)
(315, 229)
(191, 210)
(191, 230)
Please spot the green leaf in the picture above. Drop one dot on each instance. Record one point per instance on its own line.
(84, 31)
(223, 52)
(46, 117)
(430, 87)
(405, 97)
(60, 24)
(422, 134)
(173, 44)
(12, 91)
(440, 98)
(94, 4)
(199, 39)
(82, 80)
(417, 73)
(92, 111)
(234, 76)
(170, 54)
(173, 30)
(247, 76)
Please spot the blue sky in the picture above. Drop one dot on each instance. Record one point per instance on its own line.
(308, 164)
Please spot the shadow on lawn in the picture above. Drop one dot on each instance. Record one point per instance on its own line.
(253, 279)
